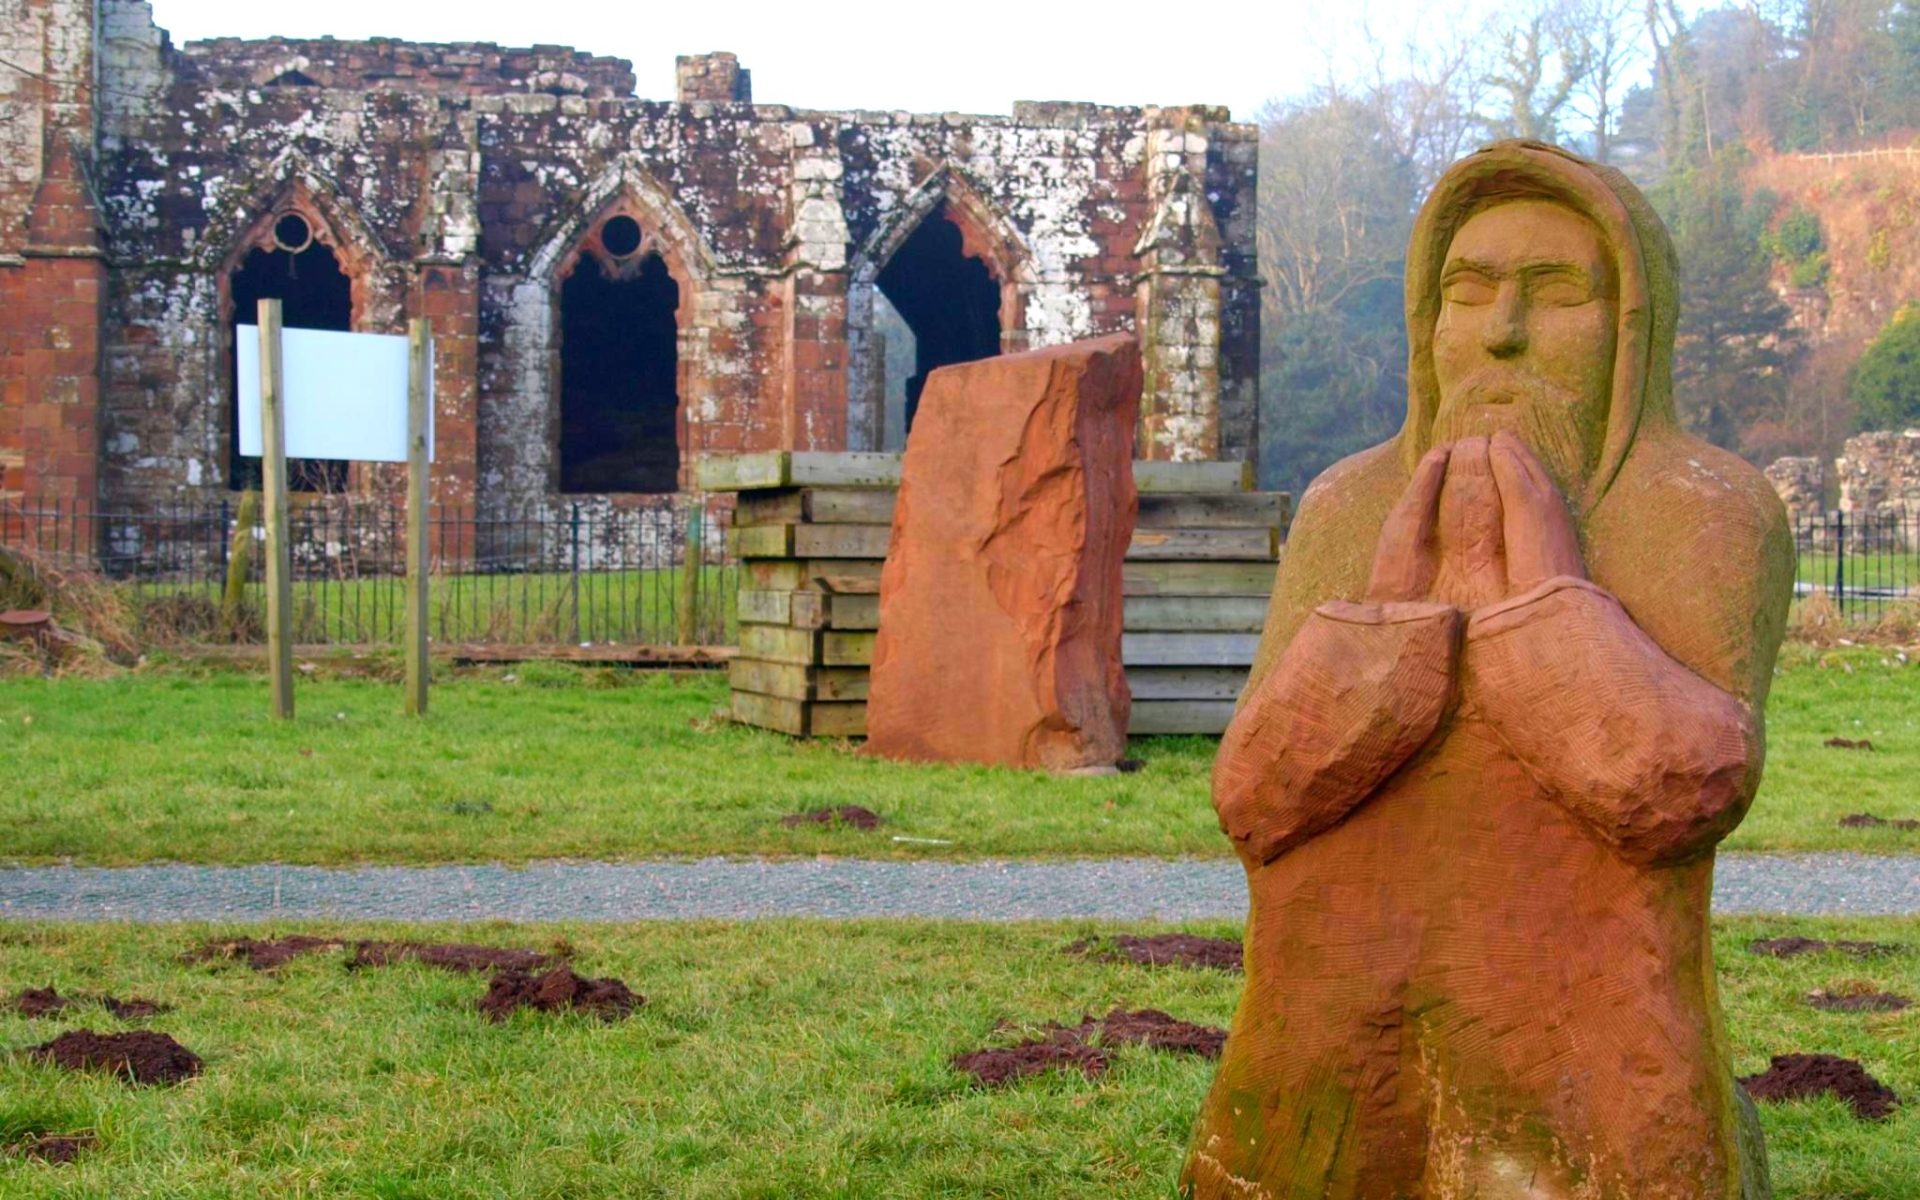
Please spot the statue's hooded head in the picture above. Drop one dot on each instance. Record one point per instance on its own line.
(1541, 299)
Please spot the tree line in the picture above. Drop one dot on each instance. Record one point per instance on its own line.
(1678, 103)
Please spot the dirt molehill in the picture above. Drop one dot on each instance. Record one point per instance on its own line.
(1793, 947)
(1164, 950)
(264, 955)
(42, 1002)
(845, 814)
(451, 956)
(55, 1148)
(1857, 999)
(137, 1057)
(1869, 821)
(560, 988)
(1840, 743)
(1798, 1076)
(1085, 1047)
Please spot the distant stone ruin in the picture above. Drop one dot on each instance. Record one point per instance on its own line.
(1878, 477)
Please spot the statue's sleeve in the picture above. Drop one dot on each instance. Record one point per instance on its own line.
(1655, 759)
(1357, 691)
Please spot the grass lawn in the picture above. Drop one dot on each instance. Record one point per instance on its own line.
(774, 1060)
(550, 762)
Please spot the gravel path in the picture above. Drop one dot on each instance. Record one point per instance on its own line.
(1115, 889)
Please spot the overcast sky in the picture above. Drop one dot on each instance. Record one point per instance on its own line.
(978, 56)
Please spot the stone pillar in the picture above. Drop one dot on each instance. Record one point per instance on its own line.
(53, 275)
(717, 78)
(814, 361)
(1179, 297)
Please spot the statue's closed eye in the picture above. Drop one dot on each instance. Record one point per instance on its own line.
(1470, 290)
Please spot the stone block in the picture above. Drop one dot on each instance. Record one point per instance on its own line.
(1001, 599)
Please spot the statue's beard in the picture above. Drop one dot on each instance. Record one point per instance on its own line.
(1543, 414)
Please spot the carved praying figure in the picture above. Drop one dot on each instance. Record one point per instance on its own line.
(1508, 700)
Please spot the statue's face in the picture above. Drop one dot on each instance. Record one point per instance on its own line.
(1525, 338)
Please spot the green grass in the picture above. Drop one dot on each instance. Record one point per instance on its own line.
(556, 762)
(639, 606)
(1876, 568)
(777, 1060)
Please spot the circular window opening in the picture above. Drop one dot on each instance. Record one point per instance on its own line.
(292, 233)
(621, 236)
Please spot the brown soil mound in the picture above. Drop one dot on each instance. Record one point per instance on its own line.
(1074, 1046)
(263, 955)
(560, 988)
(1858, 1001)
(995, 1068)
(1165, 950)
(1840, 743)
(138, 1057)
(56, 1148)
(1869, 821)
(845, 814)
(40, 1002)
(452, 956)
(1792, 947)
(1797, 1076)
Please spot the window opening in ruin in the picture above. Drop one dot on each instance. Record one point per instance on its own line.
(293, 79)
(897, 355)
(948, 299)
(621, 236)
(314, 294)
(619, 377)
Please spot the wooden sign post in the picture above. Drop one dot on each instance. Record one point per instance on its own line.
(419, 420)
(273, 473)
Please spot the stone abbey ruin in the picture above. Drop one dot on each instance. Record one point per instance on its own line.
(617, 285)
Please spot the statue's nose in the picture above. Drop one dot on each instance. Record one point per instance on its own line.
(1505, 334)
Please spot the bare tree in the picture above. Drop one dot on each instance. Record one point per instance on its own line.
(1613, 34)
(1543, 58)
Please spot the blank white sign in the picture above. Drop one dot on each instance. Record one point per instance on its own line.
(346, 394)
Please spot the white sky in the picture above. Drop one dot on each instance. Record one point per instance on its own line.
(940, 56)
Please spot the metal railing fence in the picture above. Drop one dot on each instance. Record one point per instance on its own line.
(1865, 563)
(570, 574)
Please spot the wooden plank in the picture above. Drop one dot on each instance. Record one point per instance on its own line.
(777, 643)
(1219, 510)
(843, 575)
(792, 681)
(1195, 614)
(1199, 578)
(741, 472)
(773, 575)
(788, 681)
(1206, 545)
(850, 506)
(851, 468)
(1191, 478)
(273, 472)
(837, 720)
(853, 612)
(1186, 683)
(1206, 717)
(765, 607)
(771, 712)
(762, 541)
(823, 610)
(841, 541)
(845, 649)
(419, 428)
(787, 506)
(1187, 649)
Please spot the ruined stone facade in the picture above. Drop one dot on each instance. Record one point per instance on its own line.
(1802, 484)
(149, 191)
(1879, 477)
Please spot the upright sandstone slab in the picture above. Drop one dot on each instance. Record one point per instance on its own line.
(1001, 599)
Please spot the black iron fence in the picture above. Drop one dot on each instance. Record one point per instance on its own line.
(572, 574)
(1863, 563)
